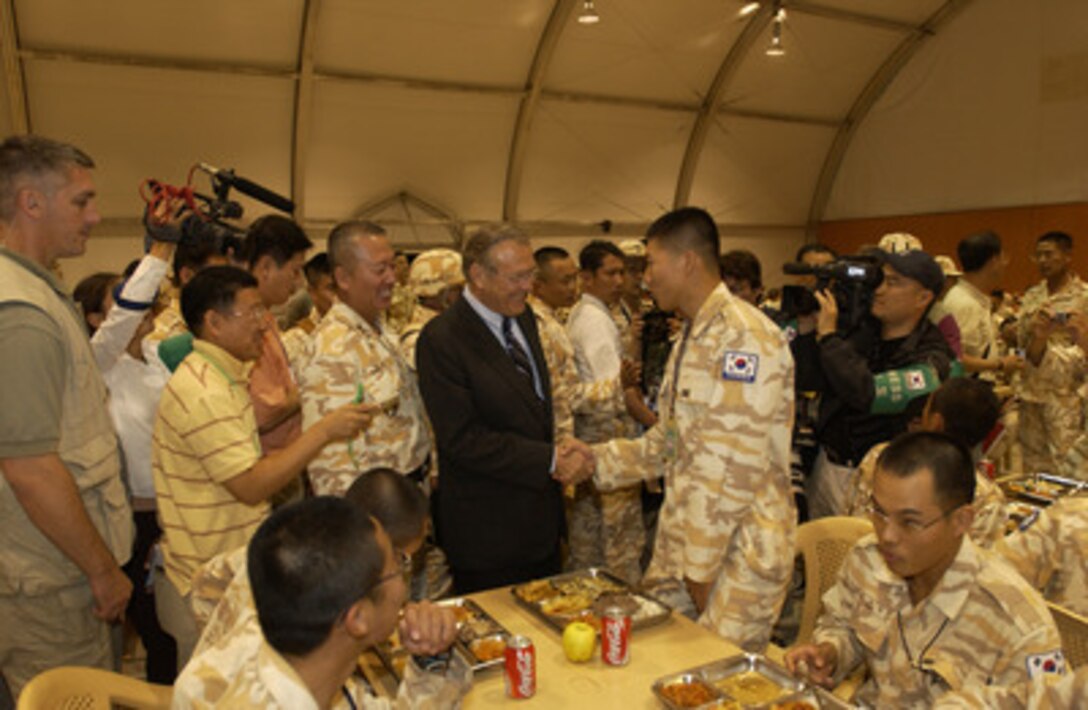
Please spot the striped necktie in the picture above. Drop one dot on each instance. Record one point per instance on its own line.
(514, 349)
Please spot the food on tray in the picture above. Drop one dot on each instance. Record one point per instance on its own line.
(627, 602)
(1037, 487)
(688, 694)
(488, 649)
(751, 688)
(536, 591)
(794, 705)
(587, 585)
(462, 613)
(566, 604)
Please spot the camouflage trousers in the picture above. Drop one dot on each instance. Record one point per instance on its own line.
(606, 529)
(1048, 430)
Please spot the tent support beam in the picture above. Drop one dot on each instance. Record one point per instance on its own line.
(304, 102)
(534, 86)
(805, 7)
(714, 95)
(870, 94)
(18, 113)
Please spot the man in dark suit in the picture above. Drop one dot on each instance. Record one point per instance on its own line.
(485, 383)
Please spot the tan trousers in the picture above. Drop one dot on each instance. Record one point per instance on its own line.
(50, 630)
(176, 617)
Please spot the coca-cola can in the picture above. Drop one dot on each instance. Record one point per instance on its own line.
(615, 636)
(520, 667)
(987, 468)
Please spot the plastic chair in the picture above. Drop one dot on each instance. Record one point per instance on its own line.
(823, 545)
(1073, 628)
(77, 688)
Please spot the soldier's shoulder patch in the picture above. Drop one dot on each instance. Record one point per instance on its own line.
(740, 366)
(1050, 662)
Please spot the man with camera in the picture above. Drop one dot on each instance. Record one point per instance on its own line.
(877, 374)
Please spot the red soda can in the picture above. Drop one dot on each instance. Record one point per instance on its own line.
(615, 636)
(520, 667)
(987, 468)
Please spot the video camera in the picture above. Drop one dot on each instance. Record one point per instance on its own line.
(208, 216)
(852, 280)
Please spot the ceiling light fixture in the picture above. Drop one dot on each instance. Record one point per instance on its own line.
(589, 14)
(748, 9)
(776, 49)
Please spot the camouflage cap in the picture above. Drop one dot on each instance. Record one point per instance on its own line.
(633, 248)
(899, 242)
(434, 270)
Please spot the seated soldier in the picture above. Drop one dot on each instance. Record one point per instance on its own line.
(327, 585)
(1052, 554)
(222, 599)
(966, 410)
(1058, 693)
(918, 604)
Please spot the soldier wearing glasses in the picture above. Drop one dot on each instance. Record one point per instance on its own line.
(921, 606)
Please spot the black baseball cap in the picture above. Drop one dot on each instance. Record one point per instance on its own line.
(917, 265)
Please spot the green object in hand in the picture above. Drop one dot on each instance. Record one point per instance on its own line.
(358, 393)
(358, 400)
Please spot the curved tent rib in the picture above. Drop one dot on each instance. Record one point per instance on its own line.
(534, 85)
(874, 89)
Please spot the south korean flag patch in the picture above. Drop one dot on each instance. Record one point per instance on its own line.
(1052, 663)
(740, 367)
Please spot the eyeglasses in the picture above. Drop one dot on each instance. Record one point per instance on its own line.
(909, 526)
(404, 569)
(257, 313)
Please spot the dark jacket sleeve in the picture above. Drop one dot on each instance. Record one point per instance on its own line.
(846, 372)
(469, 423)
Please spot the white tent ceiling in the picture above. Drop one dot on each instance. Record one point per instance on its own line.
(431, 114)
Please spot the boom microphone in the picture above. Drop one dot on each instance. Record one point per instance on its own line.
(248, 187)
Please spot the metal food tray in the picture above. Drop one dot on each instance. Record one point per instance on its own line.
(559, 622)
(483, 627)
(390, 656)
(715, 673)
(1069, 486)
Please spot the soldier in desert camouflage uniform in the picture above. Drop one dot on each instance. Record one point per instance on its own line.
(553, 288)
(259, 665)
(435, 279)
(1057, 693)
(966, 410)
(222, 598)
(918, 604)
(608, 525)
(403, 300)
(352, 358)
(1052, 409)
(725, 539)
(1052, 554)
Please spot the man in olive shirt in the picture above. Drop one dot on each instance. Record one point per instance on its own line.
(66, 524)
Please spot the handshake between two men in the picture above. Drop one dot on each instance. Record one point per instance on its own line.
(574, 462)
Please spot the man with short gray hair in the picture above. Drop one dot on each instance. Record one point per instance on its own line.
(486, 384)
(67, 525)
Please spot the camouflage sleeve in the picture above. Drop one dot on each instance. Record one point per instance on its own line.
(604, 395)
(1075, 462)
(836, 622)
(861, 485)
(625, 462)
(210, 582)
(1033, 552)
(991, 514)
(421, 690)
(1033, 650)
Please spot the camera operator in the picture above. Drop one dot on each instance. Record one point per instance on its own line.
(877, 374)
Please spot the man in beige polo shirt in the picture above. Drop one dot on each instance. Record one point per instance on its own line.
(210, 478)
